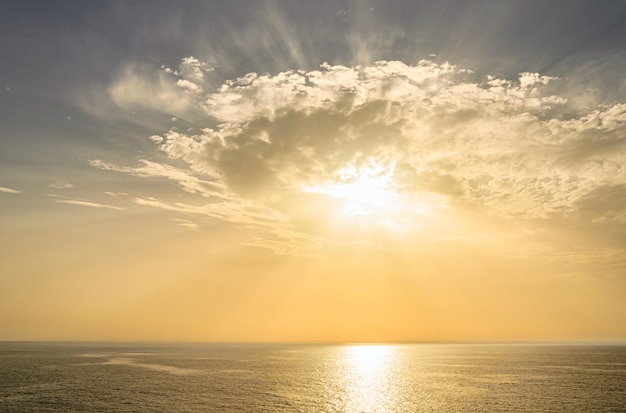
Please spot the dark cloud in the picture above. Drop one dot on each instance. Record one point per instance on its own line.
(266, 152)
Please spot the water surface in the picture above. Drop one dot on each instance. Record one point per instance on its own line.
(75, 377)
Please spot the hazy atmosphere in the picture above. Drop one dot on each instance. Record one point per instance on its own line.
(313, 171)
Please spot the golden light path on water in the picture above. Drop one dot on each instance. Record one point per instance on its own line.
(368, 377)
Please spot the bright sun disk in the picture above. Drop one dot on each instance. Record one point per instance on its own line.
(370, 196)
(365, 190)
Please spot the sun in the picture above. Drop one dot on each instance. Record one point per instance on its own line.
(370, 197)
(366, 190)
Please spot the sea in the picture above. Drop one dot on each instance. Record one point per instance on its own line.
(115, 377)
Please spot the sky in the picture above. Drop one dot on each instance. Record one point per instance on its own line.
(313, 171)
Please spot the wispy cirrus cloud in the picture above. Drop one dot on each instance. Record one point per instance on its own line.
(9, 190)
(185, 179)
(111, 193)
(88, 204)
(185, 223)
(236, 212)
(279, 235)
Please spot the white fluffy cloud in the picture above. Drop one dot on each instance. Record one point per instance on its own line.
(506, 145)
(510, 148)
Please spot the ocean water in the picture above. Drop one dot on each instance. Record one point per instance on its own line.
(74, 377)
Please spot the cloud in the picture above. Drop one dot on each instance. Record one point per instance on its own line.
(169, 91)
(185, 223)
(604, 204)
(185, 179)
(139, 86)
(193, 70)
(495, 143)
(88, 204)
(512, 148)
(9, 190)
(279, 235)
(239, 212)
(61, 185)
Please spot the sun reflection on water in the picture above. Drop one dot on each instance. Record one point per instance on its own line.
(368, 378)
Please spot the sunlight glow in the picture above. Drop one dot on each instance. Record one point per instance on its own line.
(368, 195)
(365, 189)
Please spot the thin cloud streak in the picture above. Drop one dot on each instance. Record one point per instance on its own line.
(9, 190)
(88, 204)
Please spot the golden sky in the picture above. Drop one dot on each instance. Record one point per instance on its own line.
(298, 173)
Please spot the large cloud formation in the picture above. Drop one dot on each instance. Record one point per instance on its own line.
(513, 149)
